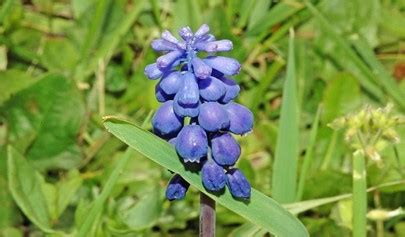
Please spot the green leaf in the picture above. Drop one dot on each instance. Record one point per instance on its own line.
(96, 209)
(145, 213)
(11, 82)
(25, 187)
(260, 210)
(278, 13)
(286, 153)
(337, 103)
(45, 120)
(66, 189)
(186, 13)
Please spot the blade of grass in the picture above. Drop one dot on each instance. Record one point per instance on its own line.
(359, 195)
(352, 62)
(98, 204)
(285, 164)
(378, 69)
(309, 154)
(260, 209)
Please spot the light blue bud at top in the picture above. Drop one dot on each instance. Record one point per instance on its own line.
(152, 71)
(211, 89)
(216, 46)
(202, 31)
(227, 66)
(163, 45)
(171, 82)
(213, 117)
(201, 70)
(213, 176)
(186, 33)
(231, 91)
(205, 39)
(165, 122)
(192, 143)
(238, 184)
(168, 59)
(225, 149)
(166, 35)
(241, 119)
(177, 188)
(161, 96)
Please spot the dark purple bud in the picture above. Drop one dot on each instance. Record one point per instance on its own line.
(232, 90)
(152, 71)
(161, 96)
(238, 184)
(227, 66)
(188, 93)
(213, 117)
(241, 119)
(202, 31)
(192, 143)
(211, 89)
(163, 45)
(225, 149)
(213, 176)
(177, 188)
(201, 70)
(166, 35)
(186, 33)
(171, 82)
(168, 59)
(165, 122)
(216, 46)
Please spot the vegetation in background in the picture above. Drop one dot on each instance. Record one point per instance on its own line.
(65, 64)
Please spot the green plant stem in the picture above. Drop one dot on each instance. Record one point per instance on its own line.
(359, 195)
(207, 216)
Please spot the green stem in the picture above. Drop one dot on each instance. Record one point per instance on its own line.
(359, 195)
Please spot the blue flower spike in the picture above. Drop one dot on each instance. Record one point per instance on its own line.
(198, 115)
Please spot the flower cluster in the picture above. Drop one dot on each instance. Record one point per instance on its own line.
(199, 91)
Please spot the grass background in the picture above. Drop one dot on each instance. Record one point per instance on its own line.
(65, 64)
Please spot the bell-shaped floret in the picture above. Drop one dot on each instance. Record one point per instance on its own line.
(202, 31)
(192, 143)
(241, 118)
(227, 66)
(152, 71)
(231, 90)
(161, 96)
(187, 99)
(238, 184)
(213, 117)
(177, 188)
(213, 176)
(171, 82)
(186, 33)
(164, 61)
(215, 46)
(201, 70)
(165, 122)
(225, 149)
(163, 45)
(212, 89)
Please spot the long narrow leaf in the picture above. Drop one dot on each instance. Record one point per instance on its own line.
(261, 210)
(285, 164)
(98, 204)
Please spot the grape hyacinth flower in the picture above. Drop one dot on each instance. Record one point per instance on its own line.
(201, 90)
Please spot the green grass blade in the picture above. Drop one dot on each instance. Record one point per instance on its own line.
(359, 195)
(379, 71)
(285, 164)
(98, 204)
(261, 210)
(351, 62)
(309, 154)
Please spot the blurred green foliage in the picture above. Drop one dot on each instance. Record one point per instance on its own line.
(64, 64)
